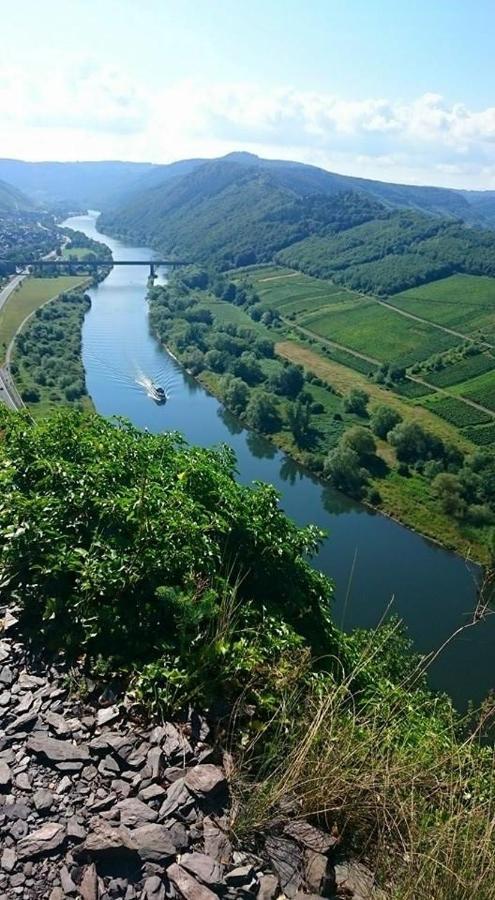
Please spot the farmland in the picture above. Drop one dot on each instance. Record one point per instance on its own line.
(465, 303)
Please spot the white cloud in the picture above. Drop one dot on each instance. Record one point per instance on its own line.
(89, 111)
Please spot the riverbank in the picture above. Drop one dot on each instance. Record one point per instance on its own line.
(241, 362)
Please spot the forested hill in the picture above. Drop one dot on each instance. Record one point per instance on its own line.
(13, 200)
(239, 210)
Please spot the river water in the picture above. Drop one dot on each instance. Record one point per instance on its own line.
(375, 563)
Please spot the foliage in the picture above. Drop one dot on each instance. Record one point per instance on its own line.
(383, 419)
(139, 544)
(356, 401)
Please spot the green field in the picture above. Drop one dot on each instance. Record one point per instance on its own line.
(32, 293)
(462, 370)
(465, 303)
(455, 411)
(380, 333)
(481, 389)
(484, 436)
(78, 252)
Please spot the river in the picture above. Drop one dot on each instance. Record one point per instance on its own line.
(374, 562)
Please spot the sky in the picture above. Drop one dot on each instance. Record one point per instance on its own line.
(387, 89)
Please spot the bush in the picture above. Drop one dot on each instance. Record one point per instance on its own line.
(356, 402)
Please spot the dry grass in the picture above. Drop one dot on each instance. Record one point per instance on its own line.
(406, 794)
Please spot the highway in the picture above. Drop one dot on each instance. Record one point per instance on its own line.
(8, 392)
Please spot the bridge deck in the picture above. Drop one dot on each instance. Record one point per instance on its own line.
(107, 262)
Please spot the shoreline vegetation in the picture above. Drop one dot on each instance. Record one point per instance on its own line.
(42, 331)
(374, 444)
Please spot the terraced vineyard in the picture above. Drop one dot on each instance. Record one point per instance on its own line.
(354, 330)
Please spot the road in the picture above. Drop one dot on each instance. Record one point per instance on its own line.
(10, 287)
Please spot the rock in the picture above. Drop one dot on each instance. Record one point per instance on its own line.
(152, 792)
(62, 727)
(25, 703)
(311, 837)
(88, 887)
(134, 812)
(106, 840)
(154, 889)
(65, 785)
(286, 858)
(66, 881)
(5, 778)
(187, 886)
(9, 622)
(107, 715)
(56, 894)
(75, 831)
(204, 867)
(14, 811)
(269, 888)
(43, 801)
(177, 797)
(319, 874)
(109, 766)
(4, 651)
(355, 879)
(243, 877)
(153, 761)
(216, 842)
(45, 840)
(23, 723)
(6, 676)
(56, 751)
(8, 860)
(23, 781)
(154, 843)
(204, 780)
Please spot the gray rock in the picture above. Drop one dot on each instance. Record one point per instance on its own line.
(153, 843)
(319, 874)
(56, 894)
(154, 889)
(243, 877)
(355, 879)
(4, 651)
(286, 858)
(310, 837)
(15, 811)
(187, 886)
(152, 792)
(154, 760)
(6, 676)
(8, 860)
(43, 801)
(23, 723)
(177, 797)
(75, 831)
(216, 842)
(9, 621)
(61, 726)
(106, 840)
(204, 867)
(109, 766)
(134, 812)
(57, 752)
(120, 787)
(65, 785)
(5, 778)
(269, 888)
(88, 887)
(23, 781)
(66, 881)
(204, 780)
(24, 704)
(48, 838)
(107, 715)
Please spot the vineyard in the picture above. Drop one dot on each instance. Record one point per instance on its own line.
(456, 412)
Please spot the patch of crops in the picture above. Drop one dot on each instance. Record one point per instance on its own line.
(457, 412)
(462, 370)
(483, 436)
(412, 389)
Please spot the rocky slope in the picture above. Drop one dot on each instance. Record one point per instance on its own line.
(96, 805)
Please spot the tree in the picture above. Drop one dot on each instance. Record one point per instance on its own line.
(235, 394)
(412, 442)
(361, 441)
(290, 381)
(448, 489)
(299, 419)
(356, 402)
(343, 467)
(217, 360)
(383, 419)
(262, 413)
(247, 368)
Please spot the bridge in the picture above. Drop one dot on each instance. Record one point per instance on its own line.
(94, 264)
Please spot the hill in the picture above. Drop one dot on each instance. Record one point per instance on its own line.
(240, 210)
(13, 200)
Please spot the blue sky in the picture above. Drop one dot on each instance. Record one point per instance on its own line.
(391, 90)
